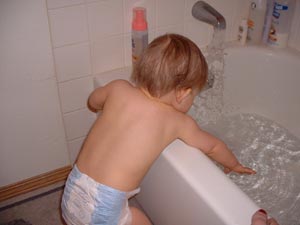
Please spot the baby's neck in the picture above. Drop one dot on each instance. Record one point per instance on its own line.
(165, 99)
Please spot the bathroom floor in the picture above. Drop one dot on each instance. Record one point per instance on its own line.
(41, 207)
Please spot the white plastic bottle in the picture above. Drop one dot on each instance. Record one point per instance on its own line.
(139, 34)
(281, 22)
(256, 21)
(242, 35)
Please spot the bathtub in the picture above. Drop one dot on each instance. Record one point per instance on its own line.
(186, 187)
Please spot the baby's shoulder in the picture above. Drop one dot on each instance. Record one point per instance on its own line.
(181, 120)
(122, 91)
(117, 84)
(120, 87)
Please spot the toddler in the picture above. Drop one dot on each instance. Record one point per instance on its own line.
(137, 123)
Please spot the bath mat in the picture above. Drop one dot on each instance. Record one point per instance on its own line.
(17, 222)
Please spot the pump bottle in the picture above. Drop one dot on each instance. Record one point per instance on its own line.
(139, 33)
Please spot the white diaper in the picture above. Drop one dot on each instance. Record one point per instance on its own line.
(86, 201)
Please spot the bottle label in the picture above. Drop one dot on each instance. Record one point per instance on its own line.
(277, 8)
(138, 46)
(278, 33)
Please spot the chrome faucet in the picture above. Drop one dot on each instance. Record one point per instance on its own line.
(206, 13)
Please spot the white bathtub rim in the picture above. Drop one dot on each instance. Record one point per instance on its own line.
(266, 50)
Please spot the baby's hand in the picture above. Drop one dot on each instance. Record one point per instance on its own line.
(240, 169)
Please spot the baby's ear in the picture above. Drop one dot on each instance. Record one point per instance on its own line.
(182, 93)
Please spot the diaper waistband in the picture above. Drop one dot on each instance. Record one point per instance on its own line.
(78, 174)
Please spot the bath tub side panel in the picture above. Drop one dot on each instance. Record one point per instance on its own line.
(169, 200)
(184, 185)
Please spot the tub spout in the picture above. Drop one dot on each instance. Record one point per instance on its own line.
(206, 13)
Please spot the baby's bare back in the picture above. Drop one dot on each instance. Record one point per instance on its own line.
(127, 137)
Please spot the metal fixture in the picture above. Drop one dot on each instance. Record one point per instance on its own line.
(206, 13)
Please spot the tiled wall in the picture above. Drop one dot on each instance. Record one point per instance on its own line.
(93, 36)
(294, 37)
(32, 138)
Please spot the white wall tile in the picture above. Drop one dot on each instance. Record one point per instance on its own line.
(32, 139)
(74, 148)
(199, 32)
(72, 61)
(108, 54)
(170, 12)
(294, 36)
(74, 93)
(68, 25)
(105, 18)
(128, 50)
(188, 9)
(89, 1)
(78, 123)
(177, 29)
(25, 42)
(52, 4)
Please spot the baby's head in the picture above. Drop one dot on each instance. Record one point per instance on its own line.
(170, 62)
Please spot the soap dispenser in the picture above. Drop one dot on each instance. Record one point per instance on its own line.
(139, 34)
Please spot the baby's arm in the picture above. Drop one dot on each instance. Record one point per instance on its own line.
(98, 97)
(211, 146)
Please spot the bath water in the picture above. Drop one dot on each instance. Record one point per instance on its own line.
(258, 143)
(209, 104)
(274, 153)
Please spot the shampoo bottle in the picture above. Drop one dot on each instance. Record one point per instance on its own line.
(139, 38)
(243, 30)
(256, 21)
(281, 21)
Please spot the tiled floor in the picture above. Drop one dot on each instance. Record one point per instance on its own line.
(41, 208)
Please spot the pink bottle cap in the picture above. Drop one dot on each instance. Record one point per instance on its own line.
(139, 19)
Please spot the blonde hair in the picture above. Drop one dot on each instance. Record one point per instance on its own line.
(170, 62)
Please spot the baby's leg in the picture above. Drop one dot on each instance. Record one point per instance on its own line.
(138, 217)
